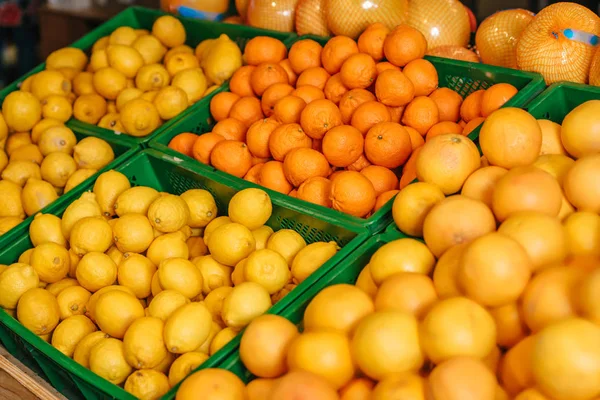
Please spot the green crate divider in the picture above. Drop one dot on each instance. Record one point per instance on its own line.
(164, 173)
(123, 151)
(462, 77)
(143, 18)
(352, 267)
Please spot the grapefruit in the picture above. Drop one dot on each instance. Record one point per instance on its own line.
(462, 378)
(581, 184)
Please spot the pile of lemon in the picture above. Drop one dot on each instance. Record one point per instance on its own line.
(142, 286)
(41, 160)
(133, 80)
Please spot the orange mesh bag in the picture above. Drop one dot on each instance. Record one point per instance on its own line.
(443, 22)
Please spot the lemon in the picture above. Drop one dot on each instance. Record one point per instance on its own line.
(7, 223)
(78, 177)
(140, 117)
(111, 121)
(107, 188)
(98, 60)
(202, 206)
(150, 48)
(51, 262)
(57, 139)
(246, 301)
(85, 206)
(192, 81)
(168, 246)
(168, 213)
(93, 153)
(83, 83)
(143, 343)
(187, 328)
(70, 332)
(91, 234)
(169, 30)
(26, 84)
(181, 275)
(42, 126)
(214, 224)
(111, 106)
(147, 384)
(81, 354)
(239, 272)
(109, 82)
(402, 255)
(135, 200)
(179, 62)
(115, 311)
(214, 274)
(3, 129)
(124, 59)
(221, 60)
(72, 301)
(101, 43)
(267, 268)
(89, 108)
(16, 141)
(184, 48)
(57, 107)
(67, 57)
(28, 152)
(223, 337)
(126, 96)
(14, 282)
(74, 263)
(107, 359)
(261, 236)
(123, 35)
(3, 158)
(20, 171)
(170, 101)
(114, 253)
(38, 311)
(57, 287)
(287, 243)
(165, 302)
(57, 168)
(202, 48)
(10, 201)
(214, 302)
(152, 77)
(230, 243)
(184, 365)
(21, 111)
(45, 228)
(136, 272)
(95, 271)
(196, 247)
(155, 285)
(47, 83)
(91, 306)
(310, 258)
(251, 208)
(25, 257)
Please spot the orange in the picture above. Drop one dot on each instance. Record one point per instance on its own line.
(369, 114)
(384, 66)
(551, 142)
(213, 383)
(446, 271)
(495, 97)
(351, 100)
(404, 44)
(412, 204)
(515, 369)
(319, 117)
(510, 137)
(581, 184)
(455, 220)
(526, 189)
(301, 164)
(316, 190)
(288, 109)
(401, 386)
(302, 385)
(396, 114)
(510, 328)
(268, 335)
(407, 292)
(342, 145)
(336, 51)
(309, 93)
(456, 327)
(258, 135)
(583, 233)
(184, 143)
(221, 103)
(334, 88)
(365, 282)
(494, 270)
(305, 54)
(409, 170)
(471, 106)
(387, 144)
(253, 173)
(271, 176)
(204, 146)
(352, 193)
(292, 77)
(259, 388)
(371, 40)
(480, 184)
(265, 75)
(393, 88)
(462, 378)
(358, 71)
(383, 199)
(357, 389)
(579, 133)
(314, 76)
(447, 161)
(293, 193)
(323, 353)
(423, 76)
(358, 165)
(240, 81)
(448, 103)
(387, 342)
(231, 129)
(247, 110)
(285, 138)
(383, 179)
(442, 128)
(262, 49)
(272, 95)
(542, 236)
(471, 125)
(587, 296)
(421, 113)
(231, 156)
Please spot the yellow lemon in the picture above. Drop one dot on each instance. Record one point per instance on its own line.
(147, 383)
(109, 82)
(177, 50)
(192, 81)
(221, 60)
(89, 108)
(230, 243)
(93, 153)
(184, 365)
(81, 354)
(72, 301)
(14, 282)
(19, 172)
(7, 223)
(267, 268)
(187, 328)
(202, 206)
(85, 206)
(214, 224)
(78, 177)
(180, 62)
(51, 262)
(287, 243)
(214, 274)
(181, 275)
(165, 303)
(15, 141)
(107, 359)
(98, 60)
(111, 121)
(126, 96)
(95, 271)
(135, 200)
(170, 101)
(251, 208)
(124, 35)
(57, 287)
(47, 83)
(28, 152)
(168, 213)
(169, 30)
(10, 201)
(140, 117)
(261, 236)
(67, 57)
(115, 311)
(168, 246)
(246, 301)
(150, 48)
(107, 188)
(143, 343)
(38, 311)
(124, 59)
(57, 168)
(69, 332)
(57, 139)
(91, 234)
(402, 255)
(83, 83)
(311, 258)
(21, 111)
(152, 77)
(136, 272)
(214, 302)
(41, 127)
(221, 339)
(57, 107)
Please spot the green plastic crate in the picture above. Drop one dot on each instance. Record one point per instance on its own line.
(560, 98)
(123, 151)
(143, 18)
(462, 77)
(353, 265)
(164, 173)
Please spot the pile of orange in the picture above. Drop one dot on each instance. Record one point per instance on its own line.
(334, 124)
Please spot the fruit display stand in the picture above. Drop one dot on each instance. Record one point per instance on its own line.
(143, 18)
(560, 98)
(163, 173)
(462, 77)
